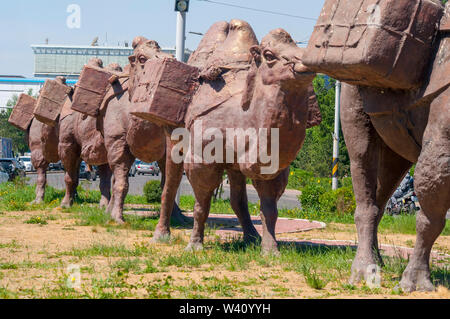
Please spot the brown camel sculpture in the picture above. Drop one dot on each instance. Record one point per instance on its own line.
(127, 137)
(386, 131)
(43, 144)
(247, 86)
(145, 50)
(79, 138)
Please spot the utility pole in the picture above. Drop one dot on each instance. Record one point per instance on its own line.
(181, 7)
(337, 110)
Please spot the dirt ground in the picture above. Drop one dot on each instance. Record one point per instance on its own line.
(34, 260)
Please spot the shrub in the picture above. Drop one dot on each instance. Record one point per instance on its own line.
(340, 201)
(310, 196)
(299, 178)
(152, 192)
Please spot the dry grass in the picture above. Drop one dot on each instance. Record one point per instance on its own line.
(120, 262)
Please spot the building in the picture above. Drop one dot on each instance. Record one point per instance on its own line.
(67, 60)
(51, 61)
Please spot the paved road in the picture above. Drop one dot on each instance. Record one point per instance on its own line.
(288, 200)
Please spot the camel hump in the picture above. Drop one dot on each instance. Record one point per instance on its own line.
(278, 37)
(236, 48)
(215, 36)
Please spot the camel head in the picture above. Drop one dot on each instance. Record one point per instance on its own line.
(278, 76)
(144, 50)
(115, 67)
(96, 62)
(279, 60)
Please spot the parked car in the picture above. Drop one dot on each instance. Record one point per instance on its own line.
(12, 167)
(26, 161)
(147, 168)
(90, 175)
(4, 176)
(55, 166)
(132, 171)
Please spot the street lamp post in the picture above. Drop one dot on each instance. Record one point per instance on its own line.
(336, 136)
(181, 7)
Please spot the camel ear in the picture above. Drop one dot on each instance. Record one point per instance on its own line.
(132, 60)
(314, 115)
(249, 88)
(131, 70)
(256, 53)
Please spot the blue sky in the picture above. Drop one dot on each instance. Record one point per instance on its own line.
(26, 22)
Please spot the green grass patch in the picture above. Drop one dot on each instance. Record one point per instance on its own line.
(36, 220)
(109, 251)
(8, 265)
(13, 244)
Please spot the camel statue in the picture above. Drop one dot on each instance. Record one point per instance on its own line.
(244, 85)
(386, 131)
(127, 137)
(43, 143)
(79, 139)
(145, 50)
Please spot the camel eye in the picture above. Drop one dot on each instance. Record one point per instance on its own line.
(142, 59)
(269, 56)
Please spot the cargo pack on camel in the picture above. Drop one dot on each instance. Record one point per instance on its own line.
(92, 88)
(22, 113)
(375, 43)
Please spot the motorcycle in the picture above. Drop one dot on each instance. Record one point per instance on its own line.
(404, 200)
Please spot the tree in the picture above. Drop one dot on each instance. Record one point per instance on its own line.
(19, 142)
(316, 154)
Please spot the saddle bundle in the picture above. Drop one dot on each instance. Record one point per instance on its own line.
(50, 101)
(165, 91)
(380, 43)
(92, 88)
(22, 114)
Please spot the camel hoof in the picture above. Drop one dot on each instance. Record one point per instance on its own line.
(118, 219)
(160, 237)
(65, 205)
(416, 279)
(37, 201)
(191, 247)
(271, 252)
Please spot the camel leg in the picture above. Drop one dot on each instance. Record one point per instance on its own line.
(269, 193)
(432, 185)
(239, 203)
(105, 173)
(176, 216)
(41, 183)
(120, 187)
(111, 200)
(173, 175)
(376, 171)
(204, 180)
(71, 176)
